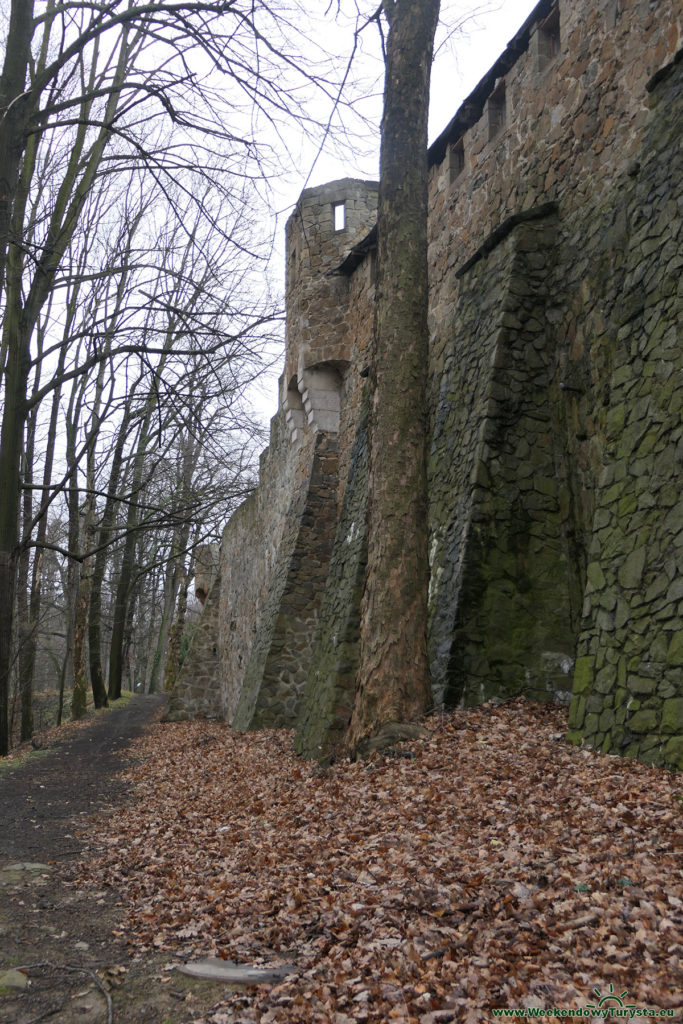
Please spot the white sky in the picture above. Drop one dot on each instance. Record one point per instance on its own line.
(459, 65)
(486, 27)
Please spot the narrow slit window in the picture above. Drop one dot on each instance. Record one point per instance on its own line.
(339, 210)
(456, 160)
(549, 39)
(497, 111)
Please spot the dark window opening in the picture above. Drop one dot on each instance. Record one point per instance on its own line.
(456, 160)
(549, 39)
(497, 111)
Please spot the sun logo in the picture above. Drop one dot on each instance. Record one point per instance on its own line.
(610, 996)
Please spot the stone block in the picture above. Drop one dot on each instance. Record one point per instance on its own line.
(643, 721)
(673, 752)
(672, 715)
(607, 720)
(674, 654)
(590, 727)
(641, 686)
(631, 571)
(596, 576)
(577, 712)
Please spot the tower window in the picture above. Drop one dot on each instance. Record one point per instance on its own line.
(456, 160)
(339, 211)
(548, 39)
(497, 111)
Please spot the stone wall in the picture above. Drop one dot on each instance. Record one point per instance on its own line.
(197, 692)
(327, 697)
(255, 552)
(318, 308)
(554, 403)
(504, 595)
(259, 622)
(285, 626)
(628, 696)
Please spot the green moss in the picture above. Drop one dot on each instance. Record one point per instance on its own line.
(643, 721)
(672, 715)
(673, 752)
(674, 655)
(584, 672)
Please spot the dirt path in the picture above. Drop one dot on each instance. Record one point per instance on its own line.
(74, 968)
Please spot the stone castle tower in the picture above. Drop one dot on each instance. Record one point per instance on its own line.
(555, 397)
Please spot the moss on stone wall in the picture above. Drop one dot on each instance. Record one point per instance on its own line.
(628, 684)
(555, 404)
(503, 584)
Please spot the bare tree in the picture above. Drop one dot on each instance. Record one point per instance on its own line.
(93, 91)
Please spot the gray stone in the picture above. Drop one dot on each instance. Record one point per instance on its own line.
(230, 972)
(12, 980)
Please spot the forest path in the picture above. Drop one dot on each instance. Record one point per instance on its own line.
(77, 964)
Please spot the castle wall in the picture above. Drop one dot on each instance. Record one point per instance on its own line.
(628, 692)
(250, 658)
(197, 691)
(554, 403)
(319, 313)
(256, 550)
(284, 621)
(330, 684)
(510, 545)
(527, 221)
(504, 594)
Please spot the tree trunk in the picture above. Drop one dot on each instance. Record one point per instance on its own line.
(99, 689)
(15, 105)
(175, 636)
(393, 684)
(124, 586)
(11, 437)
(25, 627)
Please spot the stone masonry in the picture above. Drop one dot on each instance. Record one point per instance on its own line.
(555, 403)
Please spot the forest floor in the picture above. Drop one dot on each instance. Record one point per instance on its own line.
(486, 867)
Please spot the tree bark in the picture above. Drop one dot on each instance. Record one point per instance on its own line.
(175, 636)
(393, 684)
(101, 558)
(15, 105)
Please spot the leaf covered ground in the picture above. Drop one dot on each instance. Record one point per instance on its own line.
(487, 866)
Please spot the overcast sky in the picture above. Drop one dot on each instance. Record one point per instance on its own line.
(460, 64)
